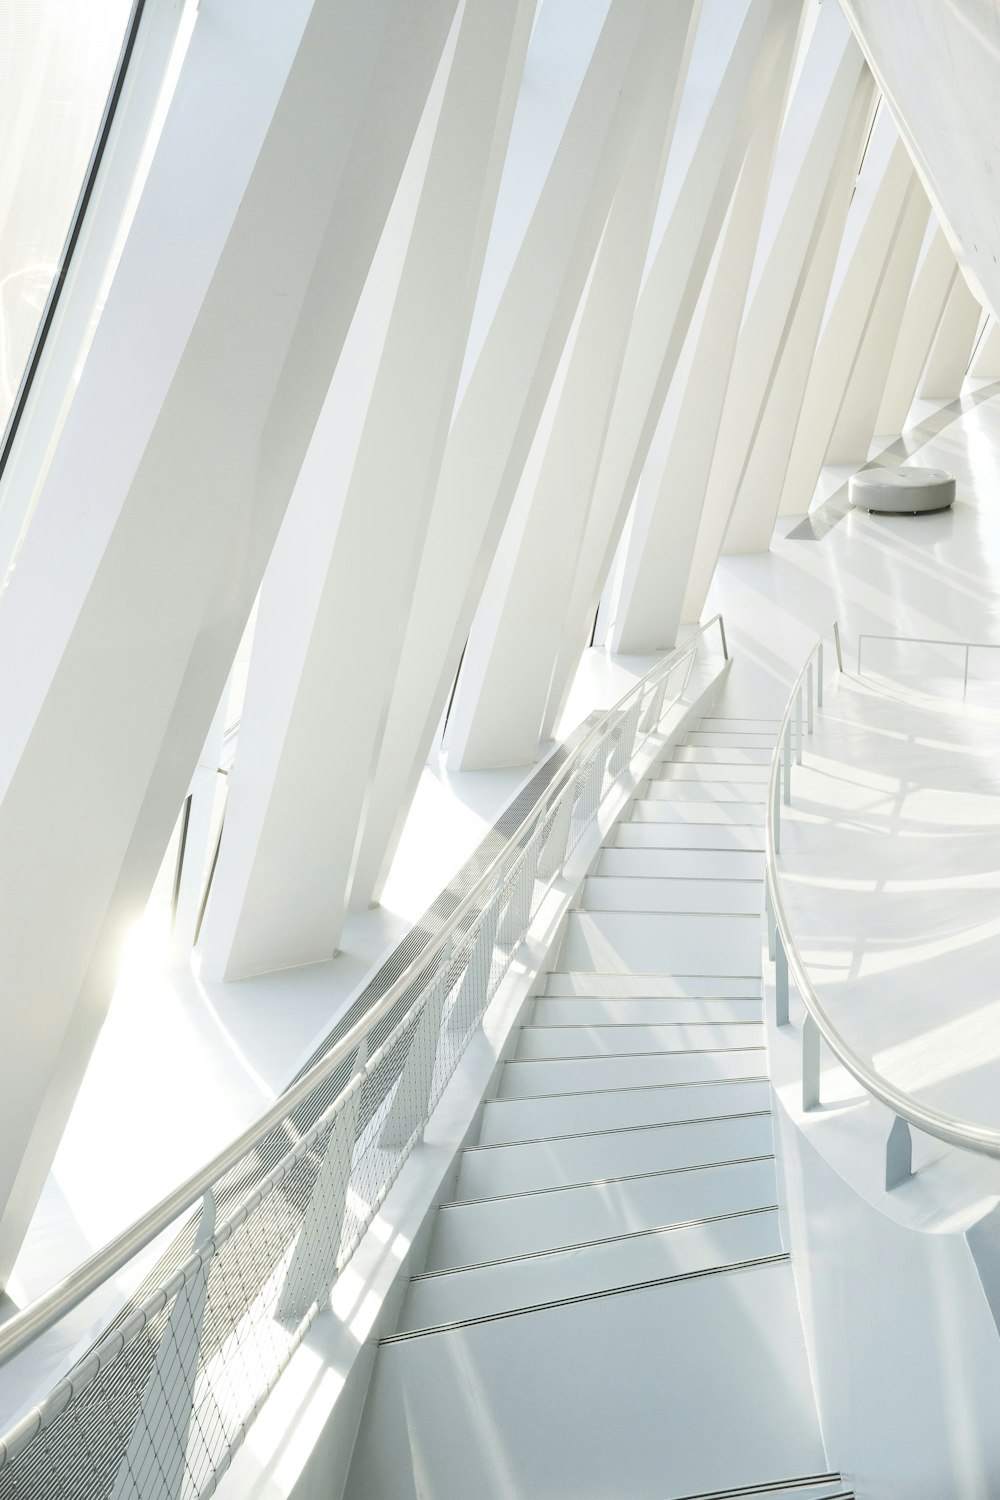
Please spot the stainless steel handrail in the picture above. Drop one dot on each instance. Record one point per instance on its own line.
(55, 1304)
(909, 1112)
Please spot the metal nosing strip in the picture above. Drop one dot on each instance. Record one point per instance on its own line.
(630, 1088)
(773, 1487)
(616, 1291)
(611, 1056)
(607, 1239)
(565, 1187)
(623, 1025)
(581, 1135)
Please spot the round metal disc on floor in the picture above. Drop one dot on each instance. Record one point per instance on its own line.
(903, 491)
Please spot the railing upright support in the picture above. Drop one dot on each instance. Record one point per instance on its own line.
(809, 699)
(898, 1154)
(798, 727)
(786, 791)
(772, 926)
(810, 1063)
(819, 676)
(780, 981)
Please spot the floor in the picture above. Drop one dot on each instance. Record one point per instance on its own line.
(621, 1198)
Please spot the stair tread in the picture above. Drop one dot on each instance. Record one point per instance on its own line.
(759, 755)
(509, 1120)
(466, 1233)
(630, 1037)
(685, 864)
(523, 1168)
(482, 1291)
(689, 943)
(671, 894)
(693, 810)
(656, 832)
(634, 985)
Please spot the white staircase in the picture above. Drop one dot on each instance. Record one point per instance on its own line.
(606, 1312)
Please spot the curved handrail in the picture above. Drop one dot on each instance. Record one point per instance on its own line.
(61, 1299)
(944, 1127)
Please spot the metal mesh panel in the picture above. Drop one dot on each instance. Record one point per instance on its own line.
(158, 1408)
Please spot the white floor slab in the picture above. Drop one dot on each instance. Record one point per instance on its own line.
(655, 942)
(628, 893)
(609, 1402)
(506, 1120)
(469, 1233)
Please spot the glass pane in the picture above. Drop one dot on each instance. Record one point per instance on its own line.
(57, 64)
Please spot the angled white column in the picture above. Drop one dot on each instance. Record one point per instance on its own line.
(502, 402)
(670, 498)
(314, 709)
(496, 714)
(852, 436)
(663, 316)
(931, 288)
(176, 462)
(805, 180)
(948, 362)
(885, 187)
(751, 523)
(986, 360)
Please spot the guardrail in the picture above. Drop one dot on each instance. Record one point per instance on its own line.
(817, 1027)
(163, 1402)
(918, 640)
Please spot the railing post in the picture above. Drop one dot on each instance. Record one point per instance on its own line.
(898, 1154)
(798, 726)
(554, 851)
(780, 981)
(819, 676)
(810, 1063)
(786, 791)
(809, 699)
(722, 632)
(769, 918)
(407, 1114)
(517, 917)
(473, 993)
(313, 1265)
(965, 675)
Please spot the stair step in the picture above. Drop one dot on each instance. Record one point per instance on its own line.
(658, 833)
(629, 1038)
(523, 1080)
(745, 740)
(615, 1010)
(649, 986)
(468, 1233)
(624, 893)
(759, 755)
(509, 1120)
(688, 864)
(489, 1172)
(805, 1487)
(717, 723)
(604, 1397)
(705, 791)
(647, 1255)
(672, 770)
(649, 810)
(648, 942)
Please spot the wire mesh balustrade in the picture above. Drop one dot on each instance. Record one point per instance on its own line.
(158, 1408)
